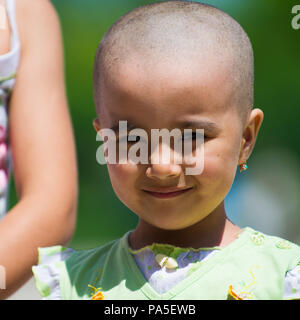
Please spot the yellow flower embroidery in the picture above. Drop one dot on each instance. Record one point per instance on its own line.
(233, 294)
(97, 293)
(246, 292)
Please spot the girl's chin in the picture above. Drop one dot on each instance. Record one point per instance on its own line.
(169, 224)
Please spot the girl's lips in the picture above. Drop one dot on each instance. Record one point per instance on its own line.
(167, 194)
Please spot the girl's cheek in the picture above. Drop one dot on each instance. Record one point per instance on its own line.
(217, 168)
(213, 164)
(122, 173)
(121, 177)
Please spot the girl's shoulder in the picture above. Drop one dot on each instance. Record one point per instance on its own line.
(59, 265)
(285, 256)
(274, 247)
(47, 272)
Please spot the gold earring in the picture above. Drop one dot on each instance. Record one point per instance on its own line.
(243, 167)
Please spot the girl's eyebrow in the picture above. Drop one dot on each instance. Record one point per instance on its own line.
(195, 124)
(200, 124)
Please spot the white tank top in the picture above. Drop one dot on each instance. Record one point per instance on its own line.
(8, 68)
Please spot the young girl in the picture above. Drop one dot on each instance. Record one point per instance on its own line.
(176, 65)
(36, 138)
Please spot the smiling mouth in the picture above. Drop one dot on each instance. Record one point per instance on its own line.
(167, 194)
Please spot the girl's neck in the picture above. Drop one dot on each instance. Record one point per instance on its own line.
(213, 230)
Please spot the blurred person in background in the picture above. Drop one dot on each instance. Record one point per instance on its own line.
(36, 138)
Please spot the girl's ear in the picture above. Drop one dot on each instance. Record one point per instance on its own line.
(96, 124)
(250, 134)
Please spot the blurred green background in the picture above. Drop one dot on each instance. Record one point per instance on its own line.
(266, 196)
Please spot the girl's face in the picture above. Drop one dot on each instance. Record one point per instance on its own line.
(166, 96)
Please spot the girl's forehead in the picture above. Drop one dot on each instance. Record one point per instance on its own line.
(165, 104)
(185, 88)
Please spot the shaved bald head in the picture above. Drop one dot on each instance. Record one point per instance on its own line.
(178, 33)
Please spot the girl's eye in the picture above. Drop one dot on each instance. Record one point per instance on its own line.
(192, 136)
(123, 139)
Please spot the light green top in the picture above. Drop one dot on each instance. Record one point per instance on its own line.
(253, 266)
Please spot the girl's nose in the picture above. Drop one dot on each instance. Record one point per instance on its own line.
(162, 168)
(163, 171)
